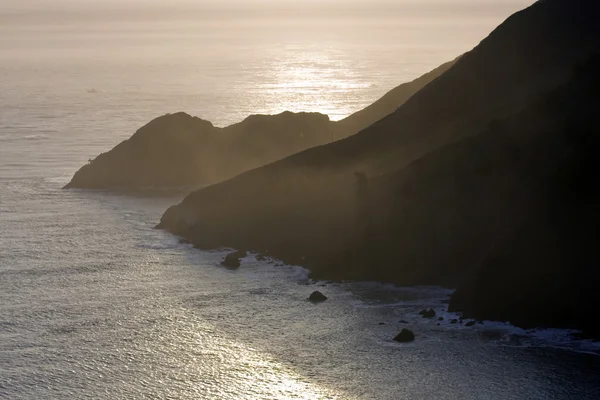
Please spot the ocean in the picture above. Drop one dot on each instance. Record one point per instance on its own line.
(95, 303)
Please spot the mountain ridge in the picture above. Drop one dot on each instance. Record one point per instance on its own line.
(180, 150)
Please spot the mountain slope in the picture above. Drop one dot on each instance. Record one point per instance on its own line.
(310, 207)
(542, 270)
(387, 104)
(177, 150)
(180, 150)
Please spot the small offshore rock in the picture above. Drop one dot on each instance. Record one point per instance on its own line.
(440, 318)
(454, 321)
(232, 260)
(427, 313)
(406, 335)
(382, 323)
(317, 296)
(184, 241)
(241, 253)
(470, 323)
(403, 321)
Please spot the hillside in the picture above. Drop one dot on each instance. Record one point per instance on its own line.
(542, 268)
(440, 189)
(178, 150)
(387, 104)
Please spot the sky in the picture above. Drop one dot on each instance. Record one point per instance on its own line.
(20, 14)
(33, 6)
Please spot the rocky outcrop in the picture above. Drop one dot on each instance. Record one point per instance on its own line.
(232, 260)
(405, 336)
(427, 313)
(178, 150)
(317, 296)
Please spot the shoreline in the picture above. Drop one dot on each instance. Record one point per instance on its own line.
(417, 297)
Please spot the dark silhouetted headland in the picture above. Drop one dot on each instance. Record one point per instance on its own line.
(178, 150)
(461, 181)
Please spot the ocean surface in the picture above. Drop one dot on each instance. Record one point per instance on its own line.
(95, 303)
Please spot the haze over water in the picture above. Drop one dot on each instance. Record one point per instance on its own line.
(95, 303)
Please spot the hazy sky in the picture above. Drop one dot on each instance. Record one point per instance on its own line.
(18, 14)
(339, 5)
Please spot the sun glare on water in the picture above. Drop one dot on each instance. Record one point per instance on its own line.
(313, 79)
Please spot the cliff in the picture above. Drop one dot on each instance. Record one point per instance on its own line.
(448, 171)
(542, 269)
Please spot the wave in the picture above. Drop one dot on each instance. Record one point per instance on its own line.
(493, 332)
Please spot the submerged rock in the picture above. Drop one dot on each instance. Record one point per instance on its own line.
(232, 260)
(317, 296)
(427, 313)
(406, 335)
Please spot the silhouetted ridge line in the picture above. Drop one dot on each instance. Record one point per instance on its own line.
(179, 150)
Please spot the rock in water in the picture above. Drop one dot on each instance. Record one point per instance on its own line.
(232, 260)
(427, 313)
(406, 335)
(317, 296)
(240, 253)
